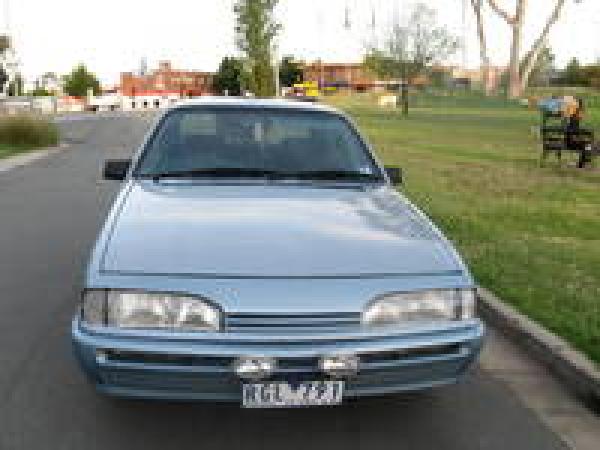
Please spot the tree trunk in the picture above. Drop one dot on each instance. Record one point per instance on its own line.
(539, 44)
(483, 55)
(515, 87)
(518, 79)
(405, 98)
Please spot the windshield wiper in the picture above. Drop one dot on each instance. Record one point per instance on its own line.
(239, 172)
(333, 175)
(225, 172)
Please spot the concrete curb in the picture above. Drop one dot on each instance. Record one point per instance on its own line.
(571, 367)
(22, 159)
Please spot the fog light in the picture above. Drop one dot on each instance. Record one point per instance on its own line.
(339, 366)
(254, 368)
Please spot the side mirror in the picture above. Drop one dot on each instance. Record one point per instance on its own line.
(394, 174)
(116, 169)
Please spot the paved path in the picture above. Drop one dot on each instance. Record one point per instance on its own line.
(50, 212)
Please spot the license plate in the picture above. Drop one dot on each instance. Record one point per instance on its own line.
(285, 395)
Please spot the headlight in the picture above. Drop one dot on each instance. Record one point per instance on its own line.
(439, 304)
(150, 310)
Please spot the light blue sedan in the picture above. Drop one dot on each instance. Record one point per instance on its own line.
(259, 253)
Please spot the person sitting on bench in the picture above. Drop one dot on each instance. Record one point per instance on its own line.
(577, 138)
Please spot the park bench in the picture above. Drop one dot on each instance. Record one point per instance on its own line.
(561, 134)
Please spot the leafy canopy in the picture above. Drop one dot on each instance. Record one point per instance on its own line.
(229, 79)
(78, 82)
(255, 31)
(410, 49)
(290, 71)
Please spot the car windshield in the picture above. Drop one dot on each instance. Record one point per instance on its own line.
(251, 142)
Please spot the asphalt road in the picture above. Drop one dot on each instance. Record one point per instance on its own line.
(50, 212)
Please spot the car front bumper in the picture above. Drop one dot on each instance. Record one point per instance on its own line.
(184, 367)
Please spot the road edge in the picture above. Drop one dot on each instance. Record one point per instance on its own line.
(22, 159)
(575, 370)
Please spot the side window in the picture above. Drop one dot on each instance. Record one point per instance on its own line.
(196, 124)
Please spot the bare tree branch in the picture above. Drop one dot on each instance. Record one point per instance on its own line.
(483, 54)
(540, 42)
(502, 12)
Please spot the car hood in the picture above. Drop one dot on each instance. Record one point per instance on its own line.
(269, 230)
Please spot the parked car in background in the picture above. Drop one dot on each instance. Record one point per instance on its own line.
(259, 253)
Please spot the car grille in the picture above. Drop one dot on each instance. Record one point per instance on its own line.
(292, 323)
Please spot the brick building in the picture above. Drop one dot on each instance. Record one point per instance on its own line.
(351, 75)
(168, 81)
(355, 76)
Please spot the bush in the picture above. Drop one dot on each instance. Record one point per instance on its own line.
(27, 131)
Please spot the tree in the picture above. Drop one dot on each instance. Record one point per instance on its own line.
(15, 87)
(3, 78)
(520, 70)
(5, 43)
(543, 69)
(290, 72)
(573, 74)
(483, 53)
(79, 81)
(40, 91)
(591, 74)
(4, 47)
(256, 30)
(411, 49)
(229, 78)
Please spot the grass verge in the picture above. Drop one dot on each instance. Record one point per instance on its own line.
(530, 234)
(22, 133)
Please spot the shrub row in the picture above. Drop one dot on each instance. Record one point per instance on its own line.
(27, 131)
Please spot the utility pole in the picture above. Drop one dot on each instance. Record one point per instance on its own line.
(348, 27)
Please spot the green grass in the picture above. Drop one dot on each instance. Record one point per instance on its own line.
(530, 234)
(21, 133)
(10, 150)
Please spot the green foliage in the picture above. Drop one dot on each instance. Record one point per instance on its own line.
(5, 43)
(25, 132)
(591, 74)
(78, 82)
(255, 31)
(15, 88)
(230, 77)
(572, 75)
(576, 75)
(411, 49)
(383, 65)
(290, 71)
(3, 76)
(530, 234)
(40, 92)
(543, 70)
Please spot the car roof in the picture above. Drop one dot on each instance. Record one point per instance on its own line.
(241, 102)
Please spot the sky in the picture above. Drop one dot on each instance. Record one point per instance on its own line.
(112, 36)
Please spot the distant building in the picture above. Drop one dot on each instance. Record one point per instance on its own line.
(469, 78)
(70, 104)
(356, 77)
(340, 75)
(150, 99)
(353, 76)
(161, 85)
